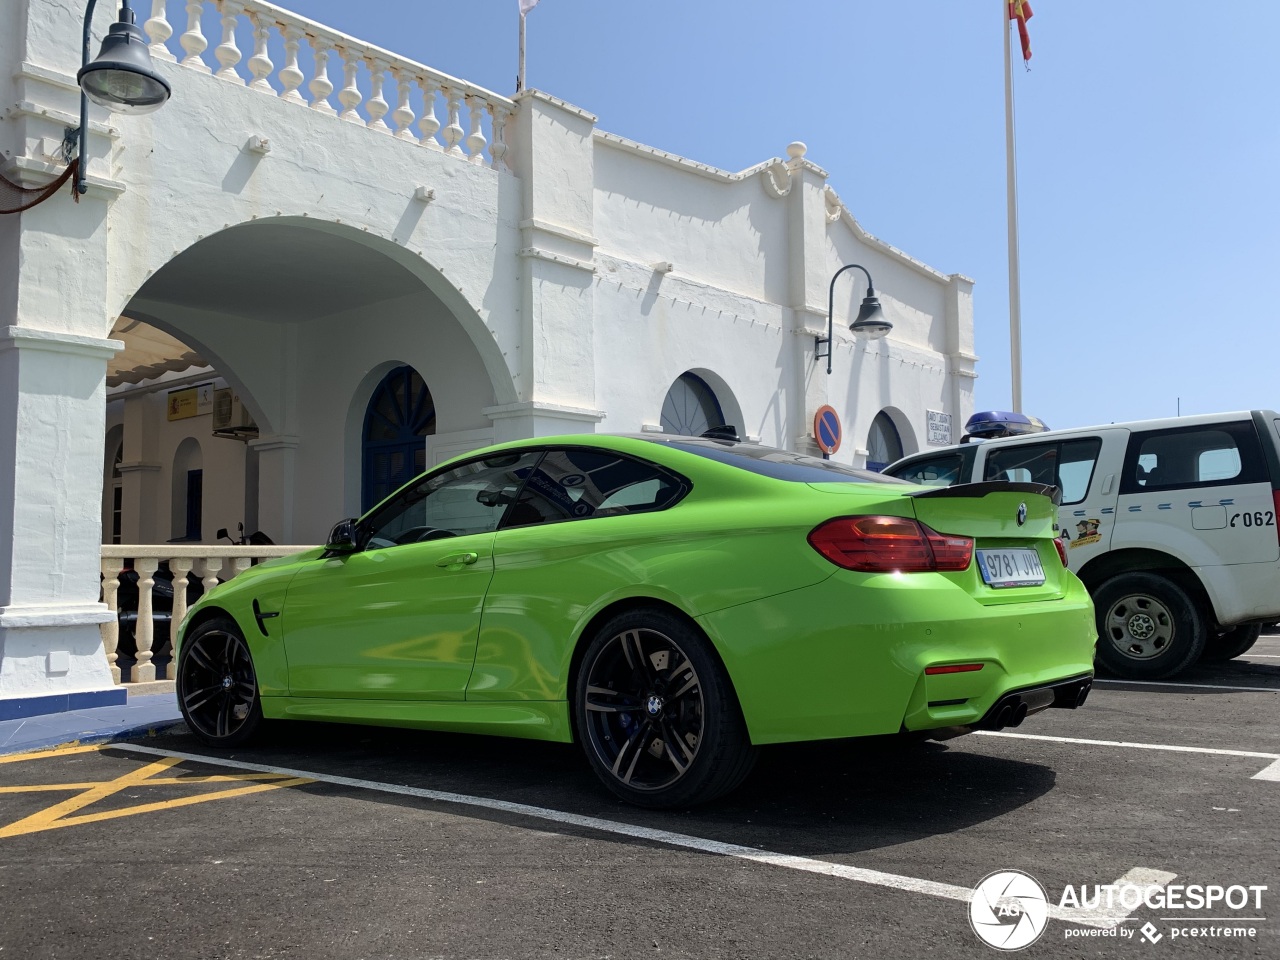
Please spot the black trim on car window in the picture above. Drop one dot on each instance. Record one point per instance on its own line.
(1044, 462)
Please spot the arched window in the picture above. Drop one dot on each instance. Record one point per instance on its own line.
(400, 415)
(884, 445)
(690, 407)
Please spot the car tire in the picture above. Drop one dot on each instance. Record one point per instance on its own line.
(1148, 627)
(656, 714)
(216, 684)
(1232, 643)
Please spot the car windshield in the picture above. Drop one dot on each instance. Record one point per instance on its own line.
(772, 462)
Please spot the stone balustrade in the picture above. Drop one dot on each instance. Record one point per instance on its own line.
(302, 61)
(211, 564)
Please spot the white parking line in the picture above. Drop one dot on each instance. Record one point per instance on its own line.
(754, 854)
(1270, 772)
(1192, 686)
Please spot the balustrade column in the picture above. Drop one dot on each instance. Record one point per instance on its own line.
(193, 40)
(111, 629)
(260, 64)
(321, 86)
(475, 140)
(430, 123)
(227, 52)
(181, 566)
(453, 132)
(498, 149)
(212, 567)
(144, 630)
(377, 105)
(403, 114)
(159, 30)
(291, 76)
(349, 96)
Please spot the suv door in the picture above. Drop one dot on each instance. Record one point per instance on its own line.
(1084, 468)
(1210, 484)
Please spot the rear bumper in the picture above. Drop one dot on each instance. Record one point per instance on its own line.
(847, 657)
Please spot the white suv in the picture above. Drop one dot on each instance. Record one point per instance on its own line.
(1172, 525)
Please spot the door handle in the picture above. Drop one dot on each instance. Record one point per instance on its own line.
(457, 559)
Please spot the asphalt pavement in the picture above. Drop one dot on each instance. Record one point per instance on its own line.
(336, 841)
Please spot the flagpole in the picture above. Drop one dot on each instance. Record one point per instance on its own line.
(520, 74)
(1011, 188)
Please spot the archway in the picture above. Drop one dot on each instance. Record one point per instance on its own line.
(884, 444)
(295, 315)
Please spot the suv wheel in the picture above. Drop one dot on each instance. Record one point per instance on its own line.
(1232, 643)
(1148, 627)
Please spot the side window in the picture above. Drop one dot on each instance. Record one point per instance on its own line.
(1027, 463)
(937, 472)
(1068, 465)
(466, 499)
(1191, 457)
(579, 484)
(1076, 462)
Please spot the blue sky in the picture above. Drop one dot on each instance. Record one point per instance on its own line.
(1148, 157)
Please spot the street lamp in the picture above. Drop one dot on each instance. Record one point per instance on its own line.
(870, 324)
(121, 78)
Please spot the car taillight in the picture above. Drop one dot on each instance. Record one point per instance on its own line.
(890, 544)
(1062, 550)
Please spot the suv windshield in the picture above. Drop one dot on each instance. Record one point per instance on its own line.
(772, 462)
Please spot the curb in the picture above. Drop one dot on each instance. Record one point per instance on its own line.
(107, 736)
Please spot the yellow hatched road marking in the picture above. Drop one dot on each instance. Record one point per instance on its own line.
(55, 752)
(61, 814)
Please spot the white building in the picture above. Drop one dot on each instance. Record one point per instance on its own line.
(310, 216)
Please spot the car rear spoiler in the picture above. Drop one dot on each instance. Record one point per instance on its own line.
(979, 490)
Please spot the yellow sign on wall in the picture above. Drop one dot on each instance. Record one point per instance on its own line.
(182, 404)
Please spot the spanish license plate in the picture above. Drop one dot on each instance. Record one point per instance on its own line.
(1011, 567)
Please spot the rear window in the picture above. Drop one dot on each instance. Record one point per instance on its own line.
(1067, 464)
(1191, 457)
(779, 464)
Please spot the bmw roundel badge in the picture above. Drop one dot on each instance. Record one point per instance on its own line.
(1022, 514)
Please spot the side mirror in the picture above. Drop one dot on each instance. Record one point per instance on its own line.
(342, 538)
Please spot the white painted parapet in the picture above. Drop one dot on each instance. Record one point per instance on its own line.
(474, 119)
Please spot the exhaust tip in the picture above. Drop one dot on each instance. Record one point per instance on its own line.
(1019, 714)
(1004, 716)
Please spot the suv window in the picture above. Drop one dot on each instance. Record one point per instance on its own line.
(1066, 464)
(938, 472)
(1190, 457)
(578, 484)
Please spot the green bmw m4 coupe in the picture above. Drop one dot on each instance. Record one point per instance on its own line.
(670, 603)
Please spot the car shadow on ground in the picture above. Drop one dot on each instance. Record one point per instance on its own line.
(1241, 672)
(811, 799)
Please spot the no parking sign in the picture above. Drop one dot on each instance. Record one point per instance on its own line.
(827, 430)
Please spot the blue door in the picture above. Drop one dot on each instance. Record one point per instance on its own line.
(401, 414)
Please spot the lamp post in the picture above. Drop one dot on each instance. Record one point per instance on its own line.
(870, 324)
(121, 77)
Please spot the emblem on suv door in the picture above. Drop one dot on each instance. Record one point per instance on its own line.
(1022, 514)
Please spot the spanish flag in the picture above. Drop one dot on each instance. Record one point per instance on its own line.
(1020, 10)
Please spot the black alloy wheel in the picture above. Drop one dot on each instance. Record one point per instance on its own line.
(216, 684)
(656, 713)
